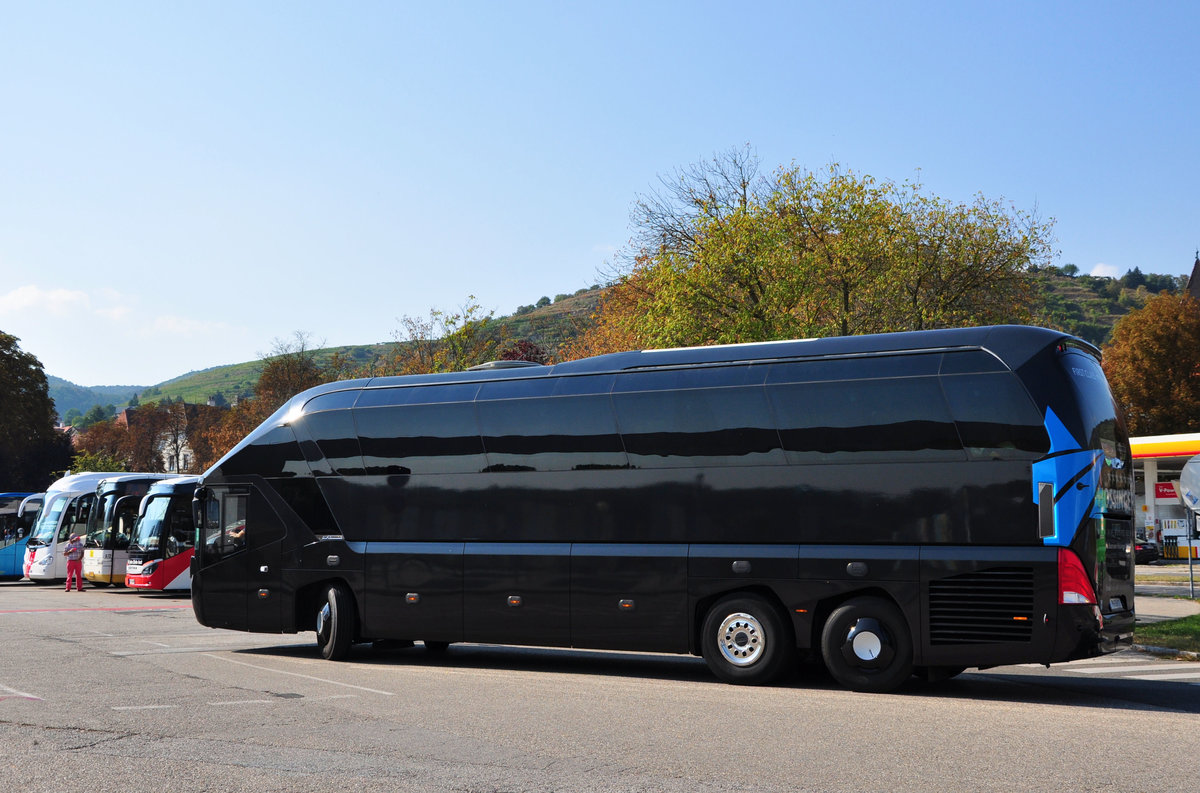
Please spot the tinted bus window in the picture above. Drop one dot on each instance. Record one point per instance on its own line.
(702, 377)
(589, 384)
(696, 427)
(517, 389)
(865, 421)
(970, 361)
(420, 439)
(550, 434)
(225, 525)
(995, 417)
(336, 440)
(274, 454)
(868, 367)
(418, 395)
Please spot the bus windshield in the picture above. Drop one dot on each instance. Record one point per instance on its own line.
(47, 524)
(111, 522)
(149, 529)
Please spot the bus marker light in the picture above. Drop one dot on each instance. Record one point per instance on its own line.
(412, 597)
(263, 594)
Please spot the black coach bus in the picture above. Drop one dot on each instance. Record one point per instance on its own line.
(894, 504)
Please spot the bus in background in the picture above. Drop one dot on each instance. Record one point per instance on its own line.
(17, 513)
(65, 510)
(160, 555)
(898, 504)
(110, 526)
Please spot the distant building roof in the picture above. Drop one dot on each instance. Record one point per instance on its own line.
(1193, 286)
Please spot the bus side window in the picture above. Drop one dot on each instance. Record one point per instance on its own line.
(995, 417)
(125, 523)
(181, 530)
(232, 523)
(64, 528)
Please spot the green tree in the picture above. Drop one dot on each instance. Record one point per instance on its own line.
(32, 451)
(1153, 365)
(100, 461)
(448, 341)
(724, 255)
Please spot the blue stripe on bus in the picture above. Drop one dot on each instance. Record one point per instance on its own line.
(1074, 472)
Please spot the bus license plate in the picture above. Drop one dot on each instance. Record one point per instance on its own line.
(1116, 604)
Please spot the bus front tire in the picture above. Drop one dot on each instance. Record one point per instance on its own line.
(746, 641)
(335, 622)
(867, 646)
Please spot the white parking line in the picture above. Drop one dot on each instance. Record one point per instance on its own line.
(1142, 668)
(168, 651)
(6, 692)
(243, 702)
(142, 707)
(1184, 676)
(297, 674)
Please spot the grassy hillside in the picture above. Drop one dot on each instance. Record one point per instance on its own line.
(1088, 306)
(1083, 305)
(548, 326)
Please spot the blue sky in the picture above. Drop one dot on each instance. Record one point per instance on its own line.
(183, 183)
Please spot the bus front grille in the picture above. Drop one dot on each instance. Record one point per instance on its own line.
(983, 607)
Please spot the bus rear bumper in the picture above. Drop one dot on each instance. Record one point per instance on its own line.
(1083, 632)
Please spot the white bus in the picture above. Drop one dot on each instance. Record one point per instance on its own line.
(65, 510)
(110, 526)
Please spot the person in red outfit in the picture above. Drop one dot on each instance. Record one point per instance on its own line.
(74, 553)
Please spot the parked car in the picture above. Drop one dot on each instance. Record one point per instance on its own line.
(1145, 552)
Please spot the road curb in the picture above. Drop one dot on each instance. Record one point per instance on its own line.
(1186, 655)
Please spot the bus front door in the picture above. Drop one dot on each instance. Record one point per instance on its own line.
(238, 581)
(219, 585)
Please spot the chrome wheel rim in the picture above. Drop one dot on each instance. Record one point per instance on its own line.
(742, 639)
(323, 620)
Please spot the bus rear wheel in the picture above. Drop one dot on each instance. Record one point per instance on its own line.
(746, 641)
(867, 646)
(335, 622)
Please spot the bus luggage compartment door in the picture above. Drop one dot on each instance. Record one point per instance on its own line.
(517, 593)
(629, 596)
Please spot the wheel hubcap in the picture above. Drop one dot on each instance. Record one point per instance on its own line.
(323, 619)
(868, 644)
(742, 639)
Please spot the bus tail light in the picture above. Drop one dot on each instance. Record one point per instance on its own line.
(1074, 586)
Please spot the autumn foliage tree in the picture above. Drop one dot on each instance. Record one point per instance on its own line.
(1153, 365)
(724, 255)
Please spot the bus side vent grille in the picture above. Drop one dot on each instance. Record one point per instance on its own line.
(984, 607)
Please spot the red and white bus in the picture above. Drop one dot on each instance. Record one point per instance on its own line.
(164, 537)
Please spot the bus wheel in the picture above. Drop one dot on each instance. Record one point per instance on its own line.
(866, 645)
(746, 641)
(335, 622)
